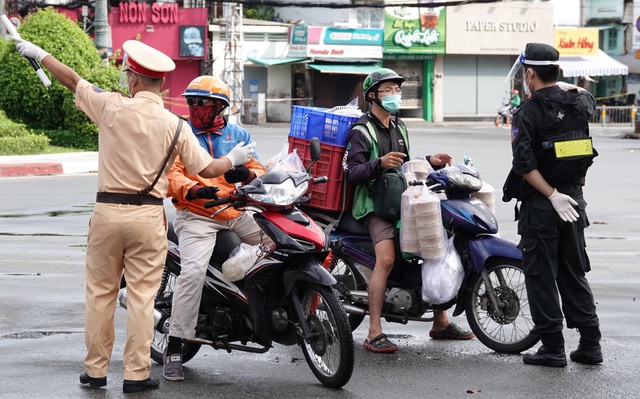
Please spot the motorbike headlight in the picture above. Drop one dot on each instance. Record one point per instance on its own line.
(283, 194)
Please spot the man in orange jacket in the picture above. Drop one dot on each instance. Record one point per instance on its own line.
(195, 225)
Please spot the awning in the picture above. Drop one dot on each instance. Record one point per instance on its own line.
(631, 61)
(346, 69)
(598, 65)
(275, 61)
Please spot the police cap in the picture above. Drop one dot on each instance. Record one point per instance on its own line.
(540, 54)
(146, 60)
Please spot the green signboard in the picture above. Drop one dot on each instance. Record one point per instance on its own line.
(414, 30)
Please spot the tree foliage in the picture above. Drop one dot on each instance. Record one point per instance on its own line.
(22, 95)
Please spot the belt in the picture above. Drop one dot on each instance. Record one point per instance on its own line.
(129, 199)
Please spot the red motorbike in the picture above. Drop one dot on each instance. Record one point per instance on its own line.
(285, 297)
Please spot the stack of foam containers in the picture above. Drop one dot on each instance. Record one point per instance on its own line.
(426, 209)
(416, 169)
(487, 194)
(408, 227)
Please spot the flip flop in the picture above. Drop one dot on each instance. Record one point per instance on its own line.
(380, 344)
(452, 332)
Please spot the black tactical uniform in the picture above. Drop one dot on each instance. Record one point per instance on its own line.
(550, 133)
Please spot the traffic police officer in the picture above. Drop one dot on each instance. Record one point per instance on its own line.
(128, 225)
(551, 154)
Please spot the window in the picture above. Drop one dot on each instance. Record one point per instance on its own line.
(612, 42)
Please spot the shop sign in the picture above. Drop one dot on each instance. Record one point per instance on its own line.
(135, 13)
(410, 30)
(577, 42)
(339, 43)
(502, 28)
(636, 29)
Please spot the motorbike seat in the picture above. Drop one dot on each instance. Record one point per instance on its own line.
(226, 241)
(349, 224)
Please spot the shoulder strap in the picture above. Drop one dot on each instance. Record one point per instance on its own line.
(166, 159)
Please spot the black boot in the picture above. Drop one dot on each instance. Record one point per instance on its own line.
(589, 350)
(551, 353)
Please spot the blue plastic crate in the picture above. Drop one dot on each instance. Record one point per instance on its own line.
(336, 128)
(306, 122)
(309, 122)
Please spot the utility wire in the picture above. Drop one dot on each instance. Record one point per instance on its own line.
(362, 4)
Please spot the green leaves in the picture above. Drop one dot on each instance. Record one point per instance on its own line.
(25, 99)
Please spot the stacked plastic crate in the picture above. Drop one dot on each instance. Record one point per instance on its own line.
(331, 129)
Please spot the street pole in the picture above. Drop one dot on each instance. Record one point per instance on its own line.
(3, 32)
(102, 39)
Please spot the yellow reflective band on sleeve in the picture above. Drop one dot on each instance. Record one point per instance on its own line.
(573, 148)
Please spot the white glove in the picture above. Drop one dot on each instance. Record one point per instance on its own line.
(562, 203)
(240, 155)
(28, 49)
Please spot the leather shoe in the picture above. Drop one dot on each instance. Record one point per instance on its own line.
(547, 357)
(140, 385)
(587, 355)
(93, 382)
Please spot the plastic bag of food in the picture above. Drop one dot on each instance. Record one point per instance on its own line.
(240, 261)
(442, 277)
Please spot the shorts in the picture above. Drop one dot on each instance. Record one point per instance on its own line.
(379, 228)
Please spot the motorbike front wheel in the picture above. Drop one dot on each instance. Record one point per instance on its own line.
(507, 329)
(163, 304)
(329, 349)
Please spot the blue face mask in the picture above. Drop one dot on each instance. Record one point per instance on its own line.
(391, 103)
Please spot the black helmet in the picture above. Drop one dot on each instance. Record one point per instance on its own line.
(379, 76)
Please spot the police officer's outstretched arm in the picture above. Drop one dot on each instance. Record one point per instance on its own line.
(239, 155)
(65, 75)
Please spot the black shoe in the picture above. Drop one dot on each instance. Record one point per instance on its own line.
(140, 385)
(590, 355)
(93, 382)
(547, 357)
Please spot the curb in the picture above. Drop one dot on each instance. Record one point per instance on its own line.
(30, 169)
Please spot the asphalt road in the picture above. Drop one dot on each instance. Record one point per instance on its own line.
(43, 224)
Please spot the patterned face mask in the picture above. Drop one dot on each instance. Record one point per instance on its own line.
(202, 117)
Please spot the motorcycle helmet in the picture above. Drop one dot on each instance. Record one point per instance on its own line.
(374, 79)
(210, 87)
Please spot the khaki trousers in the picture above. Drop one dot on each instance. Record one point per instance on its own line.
(133, 236)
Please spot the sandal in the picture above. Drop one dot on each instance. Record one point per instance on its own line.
(452, 332)
(380, 344)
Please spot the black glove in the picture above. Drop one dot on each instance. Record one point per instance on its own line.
(208, 192)
(238, 174)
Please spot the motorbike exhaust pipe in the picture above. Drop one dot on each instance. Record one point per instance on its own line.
(351, 309)
(160, 323)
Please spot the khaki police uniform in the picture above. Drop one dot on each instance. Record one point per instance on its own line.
(134, 137)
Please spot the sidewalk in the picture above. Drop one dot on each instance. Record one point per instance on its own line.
(48, 164)
(87, 162)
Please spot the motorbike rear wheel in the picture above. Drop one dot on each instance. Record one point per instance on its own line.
(508, 331)
(160, 339)
(342, 270)
(330, 351)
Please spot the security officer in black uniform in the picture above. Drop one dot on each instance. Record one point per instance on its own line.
(552, 151)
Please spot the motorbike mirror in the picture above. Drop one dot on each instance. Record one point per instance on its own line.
(314, 150)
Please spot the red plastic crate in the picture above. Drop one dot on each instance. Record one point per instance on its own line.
(328, 195)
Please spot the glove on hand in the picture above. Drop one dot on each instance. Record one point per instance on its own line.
(208, 192)
(238, 174)
(28, 49)
(240, 155)
(562, 203)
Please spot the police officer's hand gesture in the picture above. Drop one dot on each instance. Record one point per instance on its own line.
(563, 204)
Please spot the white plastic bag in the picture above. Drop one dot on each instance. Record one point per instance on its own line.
(273, 161)
(240, 260)
(290, 163)
(442, 278)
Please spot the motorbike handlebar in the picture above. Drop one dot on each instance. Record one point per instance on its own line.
(321, 179)
(218, 202)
